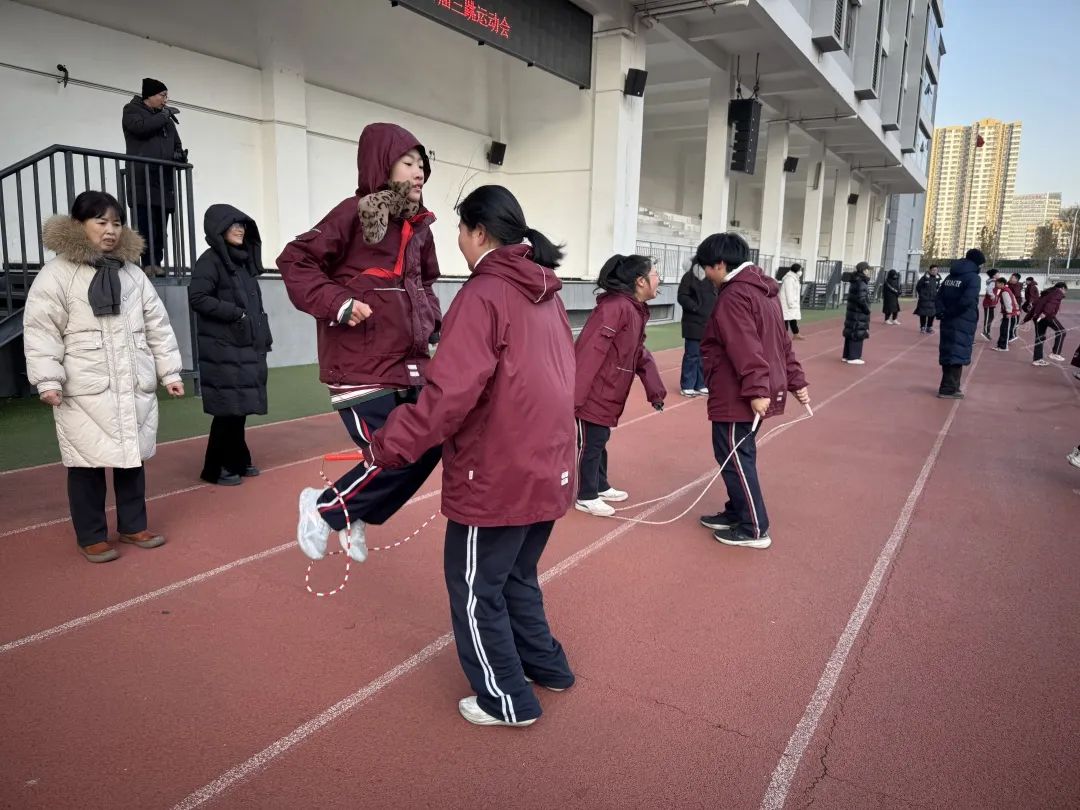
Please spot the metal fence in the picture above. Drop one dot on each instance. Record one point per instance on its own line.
(671, 261)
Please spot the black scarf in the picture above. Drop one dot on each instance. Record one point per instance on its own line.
(239, 256)
(104, 291)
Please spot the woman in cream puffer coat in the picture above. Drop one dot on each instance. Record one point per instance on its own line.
(98, 341)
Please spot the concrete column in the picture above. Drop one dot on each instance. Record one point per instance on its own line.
(877, 230)
(284, 135)
(616, 149)
(716, 194)
(772, 200)
(815, 203)
(838, 239)
(859, 251)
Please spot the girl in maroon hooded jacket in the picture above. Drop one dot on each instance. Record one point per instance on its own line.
(500, 401)
(610, 350)
(365, 272)
(1044, 312)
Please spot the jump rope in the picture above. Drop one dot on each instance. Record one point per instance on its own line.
(357, 457)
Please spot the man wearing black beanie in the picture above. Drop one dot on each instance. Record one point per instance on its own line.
(150, 132)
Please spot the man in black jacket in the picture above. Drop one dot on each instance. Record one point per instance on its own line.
(696, 296)
(150, 132)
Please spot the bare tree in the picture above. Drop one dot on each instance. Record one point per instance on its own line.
(988, 243)
(1046, 246)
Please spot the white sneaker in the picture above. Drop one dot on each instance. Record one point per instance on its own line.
(1040, 363)
(703, 391)
(856, 362)
(595, 507)
(353, 542)
(312, 532)
(1057, 358)
(549, 688)
(998, 349)
(1074, 458)
(471, 711)
(896, 323)
(614, 495)
(689, 392)
(843, 360)
(1076, 374)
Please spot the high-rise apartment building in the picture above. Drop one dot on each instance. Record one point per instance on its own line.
(971, 183)
(1023, 217)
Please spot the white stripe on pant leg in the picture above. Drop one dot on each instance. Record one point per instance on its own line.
(746, 485)
(470, 573)
(489, 674)
(345, 492)
(359, 427)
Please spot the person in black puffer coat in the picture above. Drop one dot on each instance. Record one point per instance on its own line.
(891, 298)
(958, 311)
(857, 319)
(697, 295)
(234, 337)
(926, 291)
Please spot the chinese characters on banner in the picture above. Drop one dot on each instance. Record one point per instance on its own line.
(479, 15)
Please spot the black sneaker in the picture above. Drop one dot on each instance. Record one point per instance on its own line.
(717, 522)
(733, 537)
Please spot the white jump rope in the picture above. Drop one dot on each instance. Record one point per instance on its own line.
(753, 429)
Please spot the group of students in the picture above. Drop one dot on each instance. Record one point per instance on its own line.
(517, 411)
(1011, 298)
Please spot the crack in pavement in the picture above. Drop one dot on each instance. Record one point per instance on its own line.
(695, 717)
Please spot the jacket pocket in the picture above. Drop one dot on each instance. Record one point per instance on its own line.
(388, 332)
(86, 364)
(145, 367)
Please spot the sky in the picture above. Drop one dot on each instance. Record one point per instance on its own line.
(1015, 60)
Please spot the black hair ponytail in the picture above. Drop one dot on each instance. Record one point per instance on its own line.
(620, 273)
(500, 213)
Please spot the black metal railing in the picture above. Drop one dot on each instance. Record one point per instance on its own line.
(48, 182)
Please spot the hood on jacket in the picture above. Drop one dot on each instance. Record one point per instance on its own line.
(963, 267)
(753, 275)
(641, 305)
(380, 147)
(218, 219)
(514, 264)
(65, 237)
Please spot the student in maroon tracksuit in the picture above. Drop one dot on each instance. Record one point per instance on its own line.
(750, 368)
(1031, 293)
(1010, 313)
(610, 350)
(500, 401)
(1016, 287)
(1044, 312)
(365, 272)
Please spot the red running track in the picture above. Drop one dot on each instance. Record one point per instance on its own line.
(203, 674)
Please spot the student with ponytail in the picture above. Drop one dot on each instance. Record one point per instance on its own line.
(500, 402)
(610, 350)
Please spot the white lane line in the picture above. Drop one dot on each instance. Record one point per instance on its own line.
(177, 441)
(298, 735)
(158, 497)
(98, 615)
(780, 783)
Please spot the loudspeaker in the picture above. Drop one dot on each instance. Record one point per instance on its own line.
(745, 115)
(791, 164)
(635, 82)
(852, 199)
(497, 153)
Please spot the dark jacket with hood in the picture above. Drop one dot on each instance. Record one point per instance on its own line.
(1047, 306)
(857, 317)
(696, 297)
(926, 290)
(890, 294)
(151, 134)
(233, 330)
(746, 350)
(958, 311)
(332, 263)
(609, 351)
(499, 399)
(1031, 294)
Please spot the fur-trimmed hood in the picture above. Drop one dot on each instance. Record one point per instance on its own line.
(66, 238)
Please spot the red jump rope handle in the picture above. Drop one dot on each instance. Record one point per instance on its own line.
(351, 455)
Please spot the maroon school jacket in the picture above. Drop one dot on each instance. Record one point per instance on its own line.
(1047, 305)
(746, 350)
(331, 263)
(610, 350)
(499, 399)
(1031, 294)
